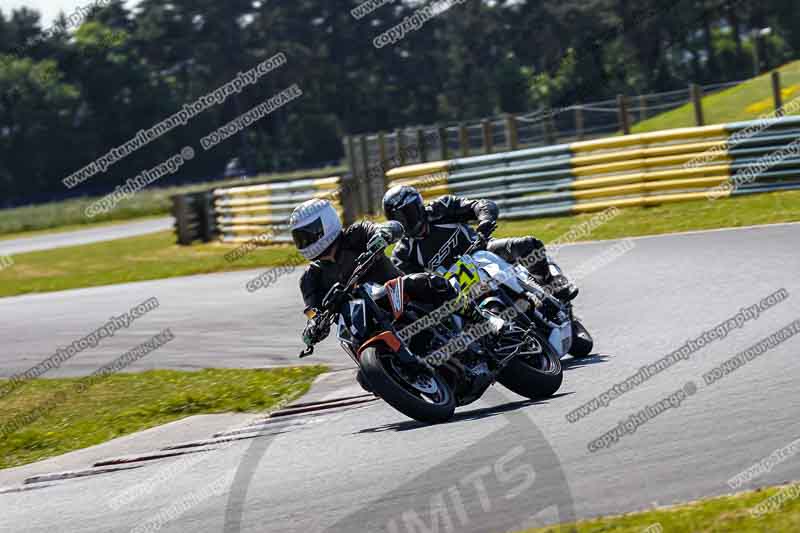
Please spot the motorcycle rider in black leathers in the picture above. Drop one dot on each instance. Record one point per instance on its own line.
(318, 234)
(437, 233)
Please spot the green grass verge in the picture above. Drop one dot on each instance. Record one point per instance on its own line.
(728, 514)
(153, 256)
(746, 101)
(696, 215)
(156, 256)
(149, 202)
(125, 403)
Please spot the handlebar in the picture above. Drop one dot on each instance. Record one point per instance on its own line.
(363, 262)
(478, 244)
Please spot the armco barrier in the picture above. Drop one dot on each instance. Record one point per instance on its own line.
(631, 170)
(258, 213)
(243, 213)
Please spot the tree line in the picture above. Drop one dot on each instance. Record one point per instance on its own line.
(72, 90)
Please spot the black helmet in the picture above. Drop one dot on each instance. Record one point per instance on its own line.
(404, 204)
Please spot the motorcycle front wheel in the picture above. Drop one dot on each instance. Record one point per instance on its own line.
(417, 393)
(535, 373)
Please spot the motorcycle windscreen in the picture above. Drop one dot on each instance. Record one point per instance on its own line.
(353, 320)
(498, 269)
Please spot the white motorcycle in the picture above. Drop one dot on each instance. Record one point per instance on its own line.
(538, 329)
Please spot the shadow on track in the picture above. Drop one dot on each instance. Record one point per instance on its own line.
(574, 363)
(474, 414)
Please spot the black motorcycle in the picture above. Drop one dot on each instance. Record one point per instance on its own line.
(425, 362)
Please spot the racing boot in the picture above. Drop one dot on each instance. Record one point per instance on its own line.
(558, 285)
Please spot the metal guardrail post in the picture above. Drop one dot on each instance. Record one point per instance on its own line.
(401, 147)
(422, 147)
(382, 151)
(463, 138)
(486, 127)
(444, 149)
(548, 129)
(350, 151)
(579, 122)
(348, 193)
(512, 135)
(356, 184)
(696, 93)
(384, 162)
(551, 126)
(776, 89)
(642, 107)
(624, 117)
(367, 189)
(347, 141)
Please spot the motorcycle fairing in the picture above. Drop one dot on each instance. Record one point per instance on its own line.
(353, 320)
(387, 337)
(561, 338)
(394, 289)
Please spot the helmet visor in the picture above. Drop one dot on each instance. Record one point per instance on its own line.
(410, 216)
(307, 235)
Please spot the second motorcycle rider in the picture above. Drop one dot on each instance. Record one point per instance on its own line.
(437, 233)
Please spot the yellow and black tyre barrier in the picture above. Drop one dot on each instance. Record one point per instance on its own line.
(632, 170)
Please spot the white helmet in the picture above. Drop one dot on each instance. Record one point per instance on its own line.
(315, 225)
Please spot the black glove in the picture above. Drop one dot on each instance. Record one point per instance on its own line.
(380, 240)
(486, 228)
(335, 298)
(315, 332)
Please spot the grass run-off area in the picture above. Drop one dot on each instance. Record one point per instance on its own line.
(147, 203)
(156, 256)
(121, 404)
(747, 101)
(727, 514)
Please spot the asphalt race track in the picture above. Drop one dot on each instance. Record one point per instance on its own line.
(84, 236)
(503, 463)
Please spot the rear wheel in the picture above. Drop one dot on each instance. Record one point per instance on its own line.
(582, 342)
(417, 393)
(536, 372)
